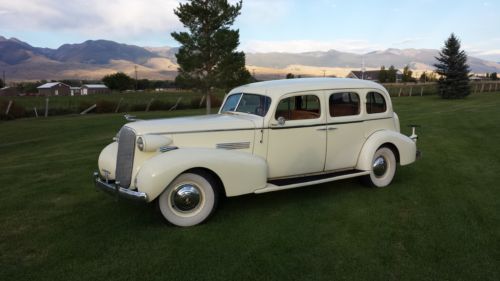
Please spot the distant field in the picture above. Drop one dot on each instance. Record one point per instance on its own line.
(135, 101)
(439, 219)
(138, 101)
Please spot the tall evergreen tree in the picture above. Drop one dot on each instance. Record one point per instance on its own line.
(207, 57)
(382, 76)
(453, 69)
(2, 84)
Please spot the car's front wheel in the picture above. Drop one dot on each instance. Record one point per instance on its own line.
(383, 168)
(189, 200)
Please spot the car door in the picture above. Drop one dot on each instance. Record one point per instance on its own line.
(345, 129)
(297, 146)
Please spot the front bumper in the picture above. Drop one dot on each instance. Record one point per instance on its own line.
(117, 190)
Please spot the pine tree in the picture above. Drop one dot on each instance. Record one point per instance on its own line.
(207, 57)
(453, 69)
(2, 84)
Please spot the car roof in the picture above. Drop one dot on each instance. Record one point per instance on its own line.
(279, 87)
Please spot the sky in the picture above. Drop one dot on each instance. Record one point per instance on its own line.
(266, 25)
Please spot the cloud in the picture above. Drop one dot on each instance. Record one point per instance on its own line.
(118, 18)
(299, 46)
(263, 12)
(409, 41)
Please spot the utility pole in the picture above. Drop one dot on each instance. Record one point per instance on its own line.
(135, 67)
(363, 69)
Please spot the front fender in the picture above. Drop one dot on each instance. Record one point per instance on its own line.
(240, 172)
(406, 148)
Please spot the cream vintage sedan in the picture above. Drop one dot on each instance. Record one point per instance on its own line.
(267, 136)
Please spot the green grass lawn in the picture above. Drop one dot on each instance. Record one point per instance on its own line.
(438, 220)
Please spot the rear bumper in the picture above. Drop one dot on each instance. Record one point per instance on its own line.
(117, 190)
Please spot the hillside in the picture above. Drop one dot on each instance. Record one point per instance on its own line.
(93, 59)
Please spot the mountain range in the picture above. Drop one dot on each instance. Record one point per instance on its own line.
(93, 59)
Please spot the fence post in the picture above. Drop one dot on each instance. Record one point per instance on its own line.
(118, 105)
(411, 90)
(399, 94)
(482, 87)
(490, 87)
(422, 91)
(202, 100)
(475, 89)
(8, 107)
(36, 112)
(496, 84)
(88, 109)
(176, 104)
(149, 104)
(47, 107)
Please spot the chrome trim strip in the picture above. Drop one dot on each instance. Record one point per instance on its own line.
(233, 145)
(272, 128)
(117, 190)
(204, 131)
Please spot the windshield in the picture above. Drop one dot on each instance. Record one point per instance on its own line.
(247, 103)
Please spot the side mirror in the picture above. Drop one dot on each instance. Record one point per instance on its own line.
(281, 120)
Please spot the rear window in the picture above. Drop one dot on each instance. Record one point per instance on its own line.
(375, 103)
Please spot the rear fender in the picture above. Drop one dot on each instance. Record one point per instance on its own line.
(406, 148)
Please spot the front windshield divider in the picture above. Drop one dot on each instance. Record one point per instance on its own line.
(238, 104)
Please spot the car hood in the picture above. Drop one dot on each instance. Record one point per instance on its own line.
(193, 124)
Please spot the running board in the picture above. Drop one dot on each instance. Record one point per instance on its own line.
(281, 184)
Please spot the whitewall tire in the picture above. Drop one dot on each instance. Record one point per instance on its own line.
(189, 200)
(383, 168)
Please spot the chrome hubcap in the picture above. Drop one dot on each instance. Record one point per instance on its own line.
(379, 166)
(186, 198)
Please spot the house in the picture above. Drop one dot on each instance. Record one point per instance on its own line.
(75, 91)
(9, 91)
(90, 89)
(371, 75)
(54, 89)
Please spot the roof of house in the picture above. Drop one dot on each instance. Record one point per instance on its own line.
(95, 86)
(369, 74)
(279, 87)
(50, 85)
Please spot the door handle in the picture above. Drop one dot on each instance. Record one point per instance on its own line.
(321, 129)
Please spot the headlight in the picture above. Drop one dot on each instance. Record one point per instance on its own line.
(140, 144)
(151, 143)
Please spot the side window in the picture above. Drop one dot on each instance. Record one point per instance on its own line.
(375, 103)
(299, 108)
(344, 104)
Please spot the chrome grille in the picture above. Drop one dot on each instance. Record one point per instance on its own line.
(125, 158)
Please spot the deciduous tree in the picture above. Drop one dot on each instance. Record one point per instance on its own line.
(118, 81)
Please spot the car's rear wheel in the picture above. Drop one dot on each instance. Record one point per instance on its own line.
(189, 200)
(383, 168)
